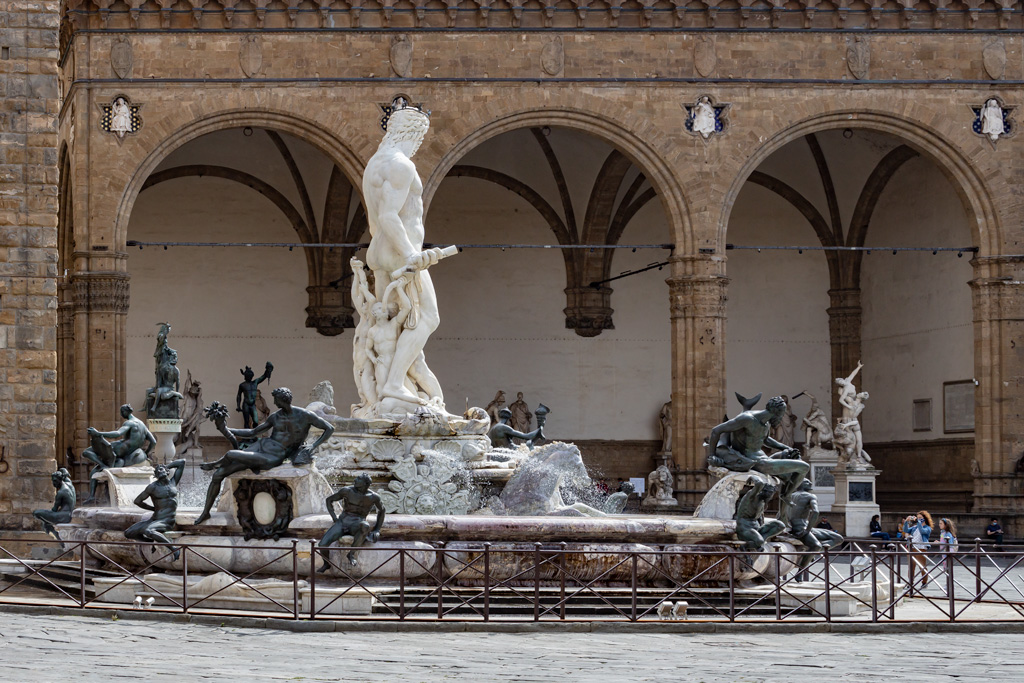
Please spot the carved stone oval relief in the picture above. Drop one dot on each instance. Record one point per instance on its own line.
(401, 56)
(552, 57)
(121, 58)
(858, 57)
(704, 58)
(250, 55)
(993, 58)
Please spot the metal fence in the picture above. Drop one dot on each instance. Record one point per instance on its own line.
(544, 582)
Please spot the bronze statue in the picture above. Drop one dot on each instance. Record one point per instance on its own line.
(164, 494)
(135, 443)
(358, 500)
(750, 525)
(63, 504)
(803, 519)
(162, 398)
(737, 445)
(288, 426)
(501, 434)
(245, 399)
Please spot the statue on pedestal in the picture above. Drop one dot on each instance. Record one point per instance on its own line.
(63, 504)
(660, 487)
(665, 422)
(521, 415)
(245, 399)
(164, 494)
(357, 502)
(162, 398)
(785, 431)
(288, 428)
(133, 446)
(191, 415)
(817, 429)
(495, 405)
(848, 436)
(392, 194)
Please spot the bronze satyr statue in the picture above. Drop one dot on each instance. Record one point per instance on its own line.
(803, 518)
(63, 504)
(501, 434)
(164, 494)
(750, 525)
(288, 426)
(357, 502)
(245, 399)
(737, 445)
(134, 444)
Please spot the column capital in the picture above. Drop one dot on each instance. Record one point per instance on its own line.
(101, 292)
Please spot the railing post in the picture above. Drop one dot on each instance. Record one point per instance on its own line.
(312, 579)
(892, 582)
(295, 578)
(910, 570)
(778, 583)
(440, 585)
(487, 581)
(732, 586)
(950, 583)
(874, 583)
(977, 568)
(81, 573)
(184, 579)
(828, 585)
(536, 581)
(401, 583)
(561, 591)
(632, 616)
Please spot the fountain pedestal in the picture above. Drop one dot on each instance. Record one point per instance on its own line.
(124, 484)
(164, 431)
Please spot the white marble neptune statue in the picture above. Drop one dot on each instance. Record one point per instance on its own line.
(403, 293)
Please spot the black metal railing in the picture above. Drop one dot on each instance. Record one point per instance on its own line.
(524, 582)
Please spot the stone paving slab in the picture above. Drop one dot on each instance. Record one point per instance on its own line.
(44, 648)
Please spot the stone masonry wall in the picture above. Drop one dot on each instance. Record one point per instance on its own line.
(28, 257)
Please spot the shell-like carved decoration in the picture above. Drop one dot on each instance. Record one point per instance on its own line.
(387, 450)
(451, 448)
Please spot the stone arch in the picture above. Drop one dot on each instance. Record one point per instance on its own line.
(640, 151)
(306, 130)
(975, 193)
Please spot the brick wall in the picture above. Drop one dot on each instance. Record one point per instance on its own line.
(28, 257)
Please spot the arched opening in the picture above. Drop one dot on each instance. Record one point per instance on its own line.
(285, 304)
(799, 319)
(553, 323)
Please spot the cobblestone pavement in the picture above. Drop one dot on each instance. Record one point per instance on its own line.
(37, 648)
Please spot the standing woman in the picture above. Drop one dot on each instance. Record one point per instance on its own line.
(947, 539)
(918, 529)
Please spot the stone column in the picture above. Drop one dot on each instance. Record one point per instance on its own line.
(28, 264)
(697, 293)
(844, 327)
(101, 311)
(998, 302)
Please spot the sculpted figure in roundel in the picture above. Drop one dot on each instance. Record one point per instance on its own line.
(392, 190)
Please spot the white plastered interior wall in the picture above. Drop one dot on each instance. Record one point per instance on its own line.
(502, 320)
(916, 324)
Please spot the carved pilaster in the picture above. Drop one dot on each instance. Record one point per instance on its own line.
(844, 330)
(697, 292)
(998, 303)
(589, 310)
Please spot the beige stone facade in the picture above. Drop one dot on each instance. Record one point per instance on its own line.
(620, 72)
